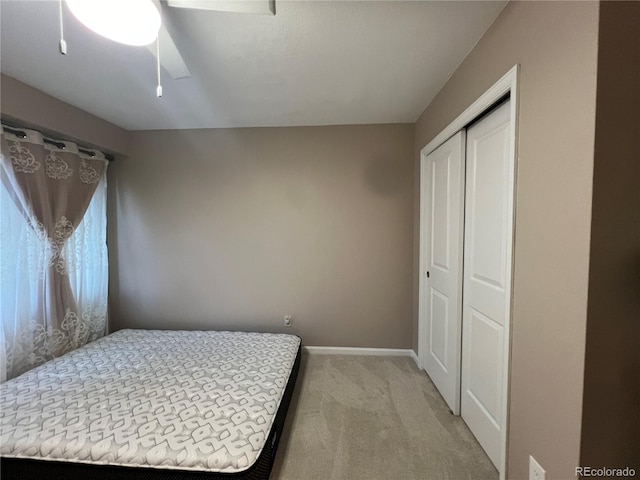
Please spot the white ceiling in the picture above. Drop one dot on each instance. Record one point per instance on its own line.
(314, 63)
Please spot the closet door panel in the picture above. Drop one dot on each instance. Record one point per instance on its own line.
(487, 256)
(441, 285)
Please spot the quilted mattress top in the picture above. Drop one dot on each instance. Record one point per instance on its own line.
(202, 401)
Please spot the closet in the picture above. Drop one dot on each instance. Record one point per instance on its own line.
(467, 196)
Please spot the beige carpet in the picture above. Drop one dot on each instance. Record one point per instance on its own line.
(370, 418)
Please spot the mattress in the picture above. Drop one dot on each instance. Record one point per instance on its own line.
(151, 404)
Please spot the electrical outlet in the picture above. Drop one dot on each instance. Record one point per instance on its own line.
(536, 472)
(288, 319)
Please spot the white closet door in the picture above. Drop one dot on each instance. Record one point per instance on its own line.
(487, 278)
(442, 206)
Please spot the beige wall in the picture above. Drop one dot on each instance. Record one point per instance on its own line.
(233, 229)
(611, 409)
(28, 107)
(555, 44)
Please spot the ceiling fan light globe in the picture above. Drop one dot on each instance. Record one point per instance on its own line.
(132, 22)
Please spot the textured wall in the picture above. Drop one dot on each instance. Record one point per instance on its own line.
(555, 44)
(234, 228)
(611, 409)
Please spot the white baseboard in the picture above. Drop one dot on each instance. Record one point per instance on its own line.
(383, 352)
(415, 358)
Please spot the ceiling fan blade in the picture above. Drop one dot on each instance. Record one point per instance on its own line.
(262, 7)
(170, 57)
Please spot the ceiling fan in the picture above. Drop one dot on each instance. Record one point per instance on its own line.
(123, 21)
(171, 59)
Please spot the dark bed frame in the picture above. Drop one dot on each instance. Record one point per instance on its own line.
(26, 469)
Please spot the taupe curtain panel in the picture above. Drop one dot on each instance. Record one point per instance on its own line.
(47, 190)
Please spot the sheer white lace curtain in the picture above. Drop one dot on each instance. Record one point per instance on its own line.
(53, 252)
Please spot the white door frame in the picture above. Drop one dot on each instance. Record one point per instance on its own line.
(506, 85)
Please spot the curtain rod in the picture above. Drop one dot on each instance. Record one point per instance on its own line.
(22, 134)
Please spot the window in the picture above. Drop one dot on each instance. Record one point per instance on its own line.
(53, 255)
